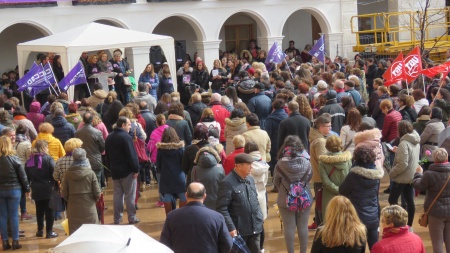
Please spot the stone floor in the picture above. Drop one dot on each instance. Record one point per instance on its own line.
(152, 220)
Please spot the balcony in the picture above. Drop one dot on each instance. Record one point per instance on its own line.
(101, 2)
(27, 4)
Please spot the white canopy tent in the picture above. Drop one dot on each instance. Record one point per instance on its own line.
(93, 37)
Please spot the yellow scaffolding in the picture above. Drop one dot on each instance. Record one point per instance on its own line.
(393, 32)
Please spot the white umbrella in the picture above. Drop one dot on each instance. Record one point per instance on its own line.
(110, 239)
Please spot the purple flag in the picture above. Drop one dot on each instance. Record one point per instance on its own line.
(74, 77)
(275, 54)
(318, 50)
(49, 73)
(35, 78)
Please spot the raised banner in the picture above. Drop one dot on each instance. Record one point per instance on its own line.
(432, 72)
(275, 54)
(74, 77)
(35, 78)
(396, 72)
(413, 65)
(318, 50)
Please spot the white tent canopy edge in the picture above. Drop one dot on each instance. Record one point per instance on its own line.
(70, 44)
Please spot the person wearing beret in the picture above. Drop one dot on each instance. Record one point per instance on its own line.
(237, 201)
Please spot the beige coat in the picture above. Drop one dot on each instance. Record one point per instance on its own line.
(261, 138)
(233, 127)
(316, 148)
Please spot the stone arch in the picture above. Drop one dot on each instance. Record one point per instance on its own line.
(258, 18)
(111, 21)
(321, 18)
(40, 27)
(195, 25)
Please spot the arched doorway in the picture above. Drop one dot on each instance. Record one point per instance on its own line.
(111, 22)
(185, 31)
(303, 27)
(239, 29)
(13, 35)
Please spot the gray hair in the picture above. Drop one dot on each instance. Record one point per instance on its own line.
(225, 100)
(58, 112)
(264, 76)
(440, 155)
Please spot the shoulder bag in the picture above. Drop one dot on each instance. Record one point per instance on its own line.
(423, 220)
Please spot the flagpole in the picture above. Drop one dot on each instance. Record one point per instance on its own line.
(292, 76)
(407, 87)
(54, 77)
(424, 85)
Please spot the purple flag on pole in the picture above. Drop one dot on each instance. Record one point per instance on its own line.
(275, 54)
(74, 77)
(35, 78)
(49, 73)
(318, 50)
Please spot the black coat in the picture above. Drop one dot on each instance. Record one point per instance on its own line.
(195, 111)
(319, 247)
(201, 78)
(272, 126)
(295, 124)
(121, 156)
(408, 113)
(337, 115)
(237, 201)
(12, 174)
(195, 228)
(63, 129)
(150, 122)
(41, 179)
(371, 74)
(189, 154)
(361, 186)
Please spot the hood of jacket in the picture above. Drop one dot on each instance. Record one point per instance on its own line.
(293, 165)
(314, 134)
(440, 167)
(247, 83)
(259, 167)
(369, 176)
(100, 94)
(412, 138)
(59, 121)
(171, 145)
(35, 107)
(175, 117)
(367, 135)
(207, 149)
(235, 124)
(46, 137)
(336, 158)
(78, 173)
(207, 158)
(423, 117)
(279, 115)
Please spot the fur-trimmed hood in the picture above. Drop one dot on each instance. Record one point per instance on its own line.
(175, 117)
(235, 123)
(171, 145)
(368, 135)
(376, 173)
(334, 158)
(208, 149)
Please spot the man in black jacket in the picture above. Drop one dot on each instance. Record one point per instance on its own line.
(335, 110)
(196, 228)
(124, 165)
(237, 201)
(295, 124)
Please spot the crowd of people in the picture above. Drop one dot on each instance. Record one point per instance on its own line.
(217, 141)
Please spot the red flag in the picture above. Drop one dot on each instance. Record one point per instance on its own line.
(396, 72)
(413, 65)
(432, 72)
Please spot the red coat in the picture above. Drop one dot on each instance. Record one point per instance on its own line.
(228, 163)
(399, 240)
(390, 128)
(220, 114)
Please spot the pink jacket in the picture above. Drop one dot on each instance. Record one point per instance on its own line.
(371, 138)
(399, 240)
(155, 137)
(34, 116)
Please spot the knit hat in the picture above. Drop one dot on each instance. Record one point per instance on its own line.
(331, 94)
(251, 71)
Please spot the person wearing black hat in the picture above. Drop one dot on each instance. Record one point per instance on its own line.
(237, 201)
(260, 104)
(335, 110)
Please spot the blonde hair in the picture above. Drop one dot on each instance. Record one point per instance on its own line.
(395, 215)
(333, 144)
(112, 95)
(175, 94)
(126, 112)
(342, 225)
(46, 128)
(91, 58)
(6, 148)
(72, 144)
(56, 105)
(238, 141)
(440, 155)
(207, 112)
(40, 146)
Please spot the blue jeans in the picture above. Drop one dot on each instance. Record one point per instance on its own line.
(9, 207)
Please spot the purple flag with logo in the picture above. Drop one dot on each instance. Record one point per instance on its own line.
(275, 54)
(34, 79)
(49, 73)
(318, 50)
(74, 77)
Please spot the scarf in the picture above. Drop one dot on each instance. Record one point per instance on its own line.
(30, 162)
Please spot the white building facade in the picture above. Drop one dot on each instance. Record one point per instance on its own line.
(204, 27)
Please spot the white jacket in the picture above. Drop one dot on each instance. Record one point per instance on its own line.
(260, 174)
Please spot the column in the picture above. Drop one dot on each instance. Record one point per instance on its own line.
(208, 50)
(265, 43)
(333, 44)
(138, 58)
(349, 8)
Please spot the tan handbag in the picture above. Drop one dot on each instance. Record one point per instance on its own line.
(423, 220)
